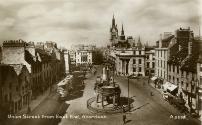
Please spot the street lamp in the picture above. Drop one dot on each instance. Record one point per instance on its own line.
(130, 77)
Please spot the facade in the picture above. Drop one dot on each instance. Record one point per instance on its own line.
(67, 61)
(15, 87)
(182, 66)
(130, 61)
(162, 55)
(199, 82)
(44, 61)
(150, 61)
(83, 57)
(125, 55)
(82, 54)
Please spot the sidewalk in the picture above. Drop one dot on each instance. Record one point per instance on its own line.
(33, 104)
(157, 89)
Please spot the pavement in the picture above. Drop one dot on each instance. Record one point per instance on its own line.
(147, 109)
(47, 104)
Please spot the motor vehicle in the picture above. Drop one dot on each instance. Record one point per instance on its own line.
(165, 95)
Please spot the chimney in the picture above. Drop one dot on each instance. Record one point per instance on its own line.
(160, 41)
(190, 43)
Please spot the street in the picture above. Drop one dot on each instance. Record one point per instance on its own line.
(148, 110)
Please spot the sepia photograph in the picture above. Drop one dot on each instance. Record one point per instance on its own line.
(100, 62)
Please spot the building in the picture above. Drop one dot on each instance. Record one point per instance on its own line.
(182, 66)
(67, 61)
(44, 61)
(15, 87)
(82, 54)
(150, 61)
(124, 54)
(199, 82)
(130, 61)
(162, 55)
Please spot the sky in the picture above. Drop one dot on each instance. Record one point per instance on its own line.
(68, 22)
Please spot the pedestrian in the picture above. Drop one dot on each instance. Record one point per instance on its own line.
(124, 119)
(151, 93)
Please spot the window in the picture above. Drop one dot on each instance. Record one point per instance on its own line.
(139, 52)
(182, 84)
(161, 53)
(173, 68)
(153, 64)
(164, 64)
(201, 69)
(147, 64)
(177, 69)
(161, 63)
(140, 61)
(134, 69)
(133, 52)
(134, 61)
(140, 69)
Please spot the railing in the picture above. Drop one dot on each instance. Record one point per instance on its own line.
(111, 110)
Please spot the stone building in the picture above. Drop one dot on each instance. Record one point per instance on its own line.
(199, 83)
(162, 56)
(149, 61)
(124, 54)
(130, 61)
(15, 87)
(67, 61)
(84, 57)
(82, 54)
(182, 66)
(44, 61)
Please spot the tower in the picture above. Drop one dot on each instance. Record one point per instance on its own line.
(122, 36)
(113, 32)
(139, 44)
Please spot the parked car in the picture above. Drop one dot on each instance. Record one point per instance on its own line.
(165, 95)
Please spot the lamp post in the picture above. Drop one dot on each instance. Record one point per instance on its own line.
(130, 77)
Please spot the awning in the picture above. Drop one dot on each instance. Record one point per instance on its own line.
(169, 86)
(64, 82)
(154, 78)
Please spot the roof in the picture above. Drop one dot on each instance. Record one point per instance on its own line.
(166, 41)
(29, 57)
(169, 86)
(44, 56)
(177, 58)
(189, 64)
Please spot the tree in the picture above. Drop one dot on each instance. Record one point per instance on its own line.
(97, 57)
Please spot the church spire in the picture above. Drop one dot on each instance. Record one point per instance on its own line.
(122, 30)
(113, 21)
(139, 44)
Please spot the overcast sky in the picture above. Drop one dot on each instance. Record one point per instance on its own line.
(88, 21)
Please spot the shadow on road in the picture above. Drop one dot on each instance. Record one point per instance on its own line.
(139, 107)
(126, 100)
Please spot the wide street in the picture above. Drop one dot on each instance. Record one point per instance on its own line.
(147, 109)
